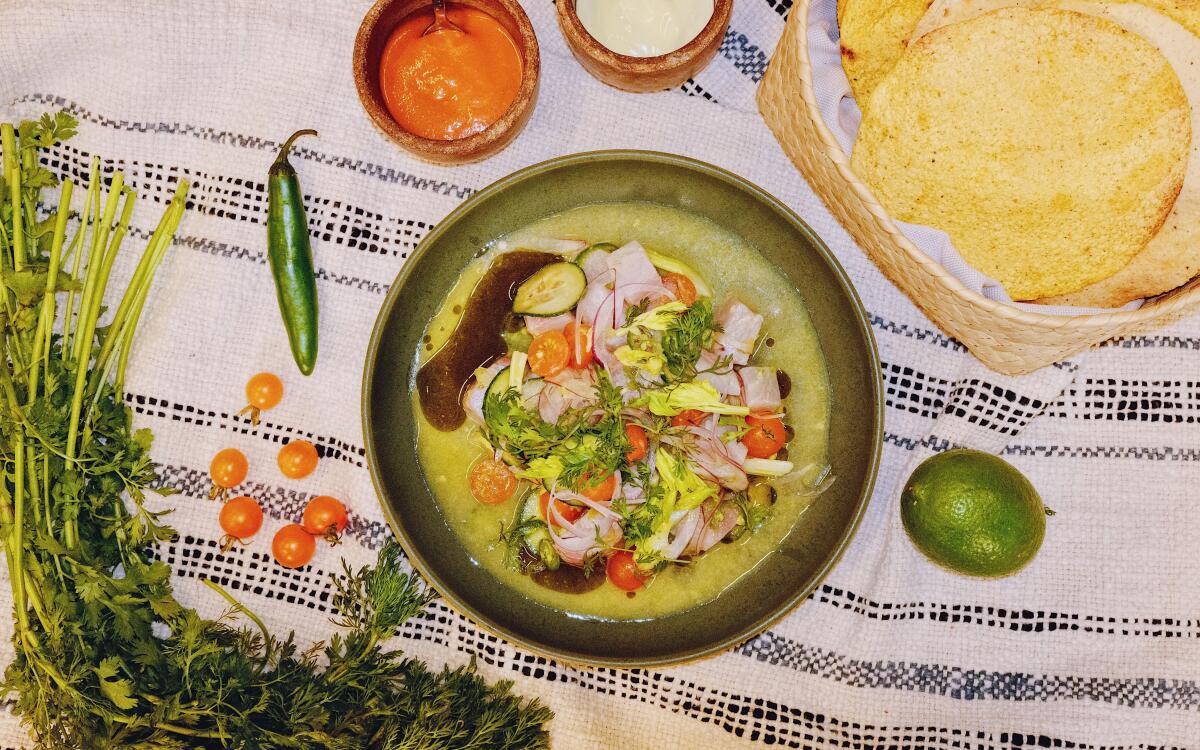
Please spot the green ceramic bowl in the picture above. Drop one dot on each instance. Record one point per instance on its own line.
(783, 579)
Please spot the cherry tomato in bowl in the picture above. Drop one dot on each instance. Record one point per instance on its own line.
(681, 286)
(638, 443)
(600, 491)
(549, 354)
(491, 481)
(765, 437)
(579, 339)
(624, 572)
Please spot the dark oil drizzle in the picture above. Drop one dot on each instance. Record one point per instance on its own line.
(568, 579)
(476, 340)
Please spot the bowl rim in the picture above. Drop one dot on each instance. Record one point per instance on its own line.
(750, 630)
(711, 32)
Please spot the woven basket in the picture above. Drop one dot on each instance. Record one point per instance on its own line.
(1005, 338)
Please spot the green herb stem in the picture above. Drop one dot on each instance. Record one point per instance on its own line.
(41, 339)
(95, 263)
(91, 213)
(12, 177)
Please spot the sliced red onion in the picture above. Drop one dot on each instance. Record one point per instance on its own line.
(682, 532)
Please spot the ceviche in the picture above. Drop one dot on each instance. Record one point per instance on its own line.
(627, 416)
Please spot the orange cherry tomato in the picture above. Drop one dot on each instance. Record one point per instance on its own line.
(241, 518)
(264, 390)
(228, 470)
(325, 516)
(765, 438)
(681, 286)
(566, 510)
(599, 492)
(297, 459)
(624, 572)
(491, 481)
(689, 417)
(549, 354)
(579, 340)
(293, 547)
(638, 443)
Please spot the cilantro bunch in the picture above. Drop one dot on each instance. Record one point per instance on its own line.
(106, 656)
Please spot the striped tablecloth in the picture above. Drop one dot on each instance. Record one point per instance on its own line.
(1096, 645)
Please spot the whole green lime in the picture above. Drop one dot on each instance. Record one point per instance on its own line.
(973, 513)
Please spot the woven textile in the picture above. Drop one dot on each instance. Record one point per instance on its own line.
(1095, 645)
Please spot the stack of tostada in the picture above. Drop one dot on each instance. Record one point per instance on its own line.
(1052, 140)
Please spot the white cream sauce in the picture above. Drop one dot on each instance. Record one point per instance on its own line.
(644, 28)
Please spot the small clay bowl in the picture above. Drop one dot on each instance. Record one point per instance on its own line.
(373, 35)
(644, 74)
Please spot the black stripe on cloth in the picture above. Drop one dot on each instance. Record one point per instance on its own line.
(971, 684)
(277, 502)
(780, 6)
(370, 169)
(190, 414)
(748, 58)
(1141, 453)
(1014, 619)
(691, 88)
(236, 252)
(755, 719)
(223, 197)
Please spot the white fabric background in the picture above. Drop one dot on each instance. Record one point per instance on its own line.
(1097, 643)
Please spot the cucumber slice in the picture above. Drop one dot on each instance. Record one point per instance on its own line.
(553, 290)
(599, 247)
(500, 383)
(535, 536)
(671, 265)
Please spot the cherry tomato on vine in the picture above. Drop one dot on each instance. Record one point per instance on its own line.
(624, 572)
(293, 547)
(297, 459)
(491, 481)
(263, 391)
(241, 518)
(325, 516)
(228, 469)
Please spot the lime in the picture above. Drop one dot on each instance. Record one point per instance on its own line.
(973, 513)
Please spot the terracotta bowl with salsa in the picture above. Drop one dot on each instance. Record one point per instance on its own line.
(623, 408)
(452, 96)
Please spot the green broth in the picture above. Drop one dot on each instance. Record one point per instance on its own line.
(732, 267)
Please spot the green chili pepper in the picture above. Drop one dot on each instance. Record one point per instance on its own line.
(291, 257)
